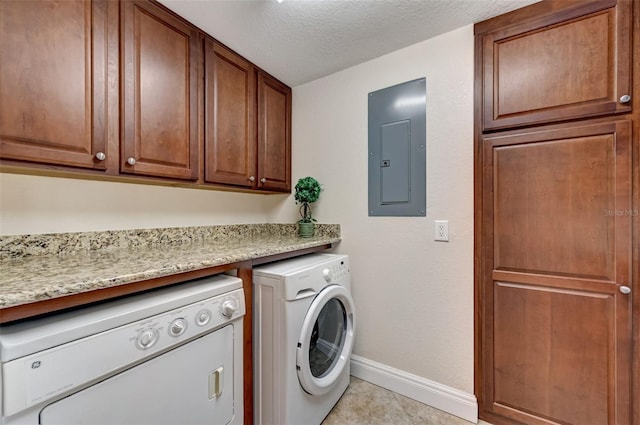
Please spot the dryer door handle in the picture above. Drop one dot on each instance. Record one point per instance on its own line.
(216, 382)
(305, 293)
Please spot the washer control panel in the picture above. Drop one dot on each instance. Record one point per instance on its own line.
(335, 271)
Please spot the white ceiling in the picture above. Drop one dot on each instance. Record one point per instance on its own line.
(298, 41)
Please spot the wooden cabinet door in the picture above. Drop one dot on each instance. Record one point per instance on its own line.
(53, 81)
(551, 67)
(556, 261)
(230, 117)
(274, 134)
(160, 92)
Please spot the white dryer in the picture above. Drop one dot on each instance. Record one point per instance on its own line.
(168, 356)
(304, 322)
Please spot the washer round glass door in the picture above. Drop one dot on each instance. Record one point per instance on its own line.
(326, 340)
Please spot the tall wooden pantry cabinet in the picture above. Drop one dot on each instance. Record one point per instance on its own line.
(557, 214)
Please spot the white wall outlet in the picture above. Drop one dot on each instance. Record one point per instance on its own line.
(442, 230)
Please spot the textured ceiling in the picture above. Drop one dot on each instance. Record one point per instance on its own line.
(299, 41)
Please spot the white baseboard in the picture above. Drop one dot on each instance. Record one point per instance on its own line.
(450, 400)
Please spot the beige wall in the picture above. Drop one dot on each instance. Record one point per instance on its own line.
(414, 296)
(33, 204)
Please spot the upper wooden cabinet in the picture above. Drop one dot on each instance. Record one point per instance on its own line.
(274, 134)
(53, 74)
(159, 92)
(129, 88)
(230, 117)
(560, 61)
(247, 123)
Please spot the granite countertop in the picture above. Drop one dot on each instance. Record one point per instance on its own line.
(41, 267)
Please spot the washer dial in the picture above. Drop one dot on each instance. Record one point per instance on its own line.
(327, 274)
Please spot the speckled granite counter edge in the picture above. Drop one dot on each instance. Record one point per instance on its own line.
(17, 246)
(39, 278)
(41, 267)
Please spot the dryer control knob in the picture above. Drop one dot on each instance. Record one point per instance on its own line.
(203, 317)
(228, 307)
(147, 339)
(177, 327)
(326, 273)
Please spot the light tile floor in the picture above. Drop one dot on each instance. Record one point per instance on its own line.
(366, 404)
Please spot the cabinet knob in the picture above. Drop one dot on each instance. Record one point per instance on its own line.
(625, 98)
(625, 289)
(100, 156)
(263, 180)
(131, 161)
(252, 179)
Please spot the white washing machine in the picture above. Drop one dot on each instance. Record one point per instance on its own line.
(304, 322)
(169, 356)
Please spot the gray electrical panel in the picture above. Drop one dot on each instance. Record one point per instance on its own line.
(397, 150)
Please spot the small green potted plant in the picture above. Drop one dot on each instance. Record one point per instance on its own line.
(307, 192)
